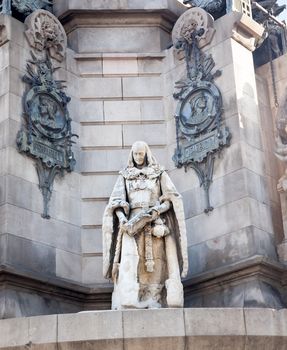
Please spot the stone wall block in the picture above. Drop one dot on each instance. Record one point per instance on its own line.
(261, 337)
(3, 189)
(230, 104)
(142, 87)
(253, 159)
(3, 245)
(230, 248)
(98, 185)
(71, 62)
(213, 329)
(154, 329)
(93, 270)
(100, 88)
(89, 326)
(4, 56)
(218, 53)
(231, 159)
(104, 160)
(68, 265)
(92, 212)
(101, 135)
(24, 254)
(16, 86)
(120, 66)
(69, 184)
(5, 76)
(152, 134)
(199, 229)
(172, 76)
(15, 107)
(91, 111)
(14, 332)
(4, 106)
(226, 81)
(65, 208)
(43, 330)
(18, 57)
(31, 226)
(92, 241)
(110, 40)
(122, 111)
(89, 67)
(150, 65)
(4, 154)
(152, 110)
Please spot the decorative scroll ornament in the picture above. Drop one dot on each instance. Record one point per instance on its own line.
(46, 134)
(24, 6)
(199, 129)
(45, 32)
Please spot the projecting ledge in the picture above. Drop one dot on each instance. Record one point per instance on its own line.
(159, 329)
(61, 7)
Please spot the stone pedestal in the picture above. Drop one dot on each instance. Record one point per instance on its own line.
(180, 329)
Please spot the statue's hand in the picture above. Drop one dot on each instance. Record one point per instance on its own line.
(123, 220)
(154, 214)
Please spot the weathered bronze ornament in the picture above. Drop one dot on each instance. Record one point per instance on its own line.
(24, 6)
(199, 129)
(46, 132)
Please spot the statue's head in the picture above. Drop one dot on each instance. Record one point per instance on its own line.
(141, 155)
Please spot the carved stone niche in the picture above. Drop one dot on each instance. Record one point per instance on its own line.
(45, 32)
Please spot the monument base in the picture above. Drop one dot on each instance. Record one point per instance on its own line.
(176, 329)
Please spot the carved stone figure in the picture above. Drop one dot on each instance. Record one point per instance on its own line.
(144, 236)
(45, 32)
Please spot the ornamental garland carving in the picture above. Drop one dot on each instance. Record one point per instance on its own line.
(45, 32)
(199, 129)
(46, 133)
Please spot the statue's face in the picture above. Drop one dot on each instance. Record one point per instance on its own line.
(139, 153)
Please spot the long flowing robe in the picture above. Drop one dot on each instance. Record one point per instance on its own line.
(125, 256)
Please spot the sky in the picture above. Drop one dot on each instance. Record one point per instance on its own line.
(283, 15)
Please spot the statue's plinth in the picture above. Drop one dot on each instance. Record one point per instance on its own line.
(159, 329)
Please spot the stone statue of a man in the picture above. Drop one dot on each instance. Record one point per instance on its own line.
(144, 236)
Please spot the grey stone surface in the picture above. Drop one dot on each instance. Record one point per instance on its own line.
(28, 225)
(90, 326)
(61, 6)
(26, 255)
(68, 265)
(215, 329)
(227, 249)
(152, 327)
(137, 39)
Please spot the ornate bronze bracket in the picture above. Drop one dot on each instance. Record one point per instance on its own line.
(200, 133)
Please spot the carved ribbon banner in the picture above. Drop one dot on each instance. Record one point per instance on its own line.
(46, 133)
(199, 130)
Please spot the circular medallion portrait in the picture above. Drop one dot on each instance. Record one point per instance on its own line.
(198, 110)
(48, 116)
